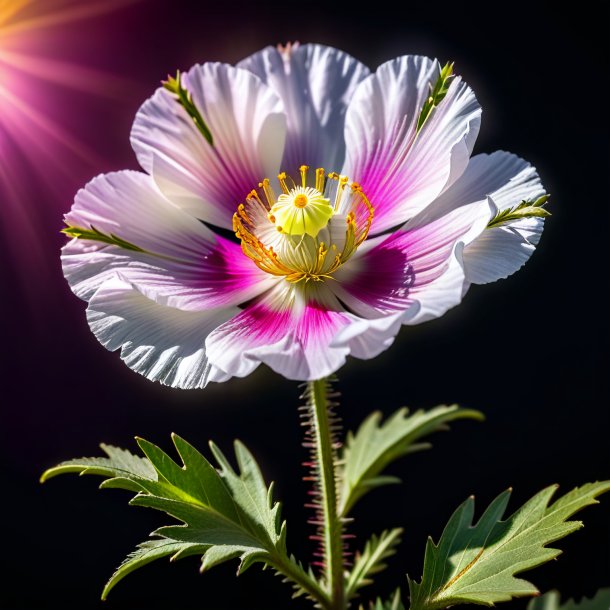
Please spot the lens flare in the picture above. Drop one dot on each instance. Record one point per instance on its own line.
(39, 150)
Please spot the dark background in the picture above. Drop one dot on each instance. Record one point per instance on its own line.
(529, 351)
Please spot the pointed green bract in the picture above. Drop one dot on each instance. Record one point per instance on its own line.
(477, 563)
(225, 514)
(372, 560)
(526, 209)
(438, 91)
(551, 601)
(94, 235)
(184, 98)
(376, 445)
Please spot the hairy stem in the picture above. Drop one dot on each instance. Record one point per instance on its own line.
(332, 527)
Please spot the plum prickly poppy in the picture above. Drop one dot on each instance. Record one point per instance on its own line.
(353, 197)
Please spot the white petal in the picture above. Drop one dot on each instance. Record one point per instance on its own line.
(501, 251)
(315, 83)
(246, 120)
(402, 172)
(366, 339)
(185, 264)
(161, 343)
(504, 180)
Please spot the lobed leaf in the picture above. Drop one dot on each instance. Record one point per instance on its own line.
(371, 560)
(376, 445)
(477, 563)
(225, 514)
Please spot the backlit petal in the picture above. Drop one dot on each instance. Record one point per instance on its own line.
(162, 343)
(247, 123)
(184, 265)
(315, 84)
(401, 171)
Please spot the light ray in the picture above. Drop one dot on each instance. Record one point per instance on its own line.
(62, 17)
(39, 149)
(68, 74)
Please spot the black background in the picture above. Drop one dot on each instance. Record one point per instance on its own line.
(529, 351)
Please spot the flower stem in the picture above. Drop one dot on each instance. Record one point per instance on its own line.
(332, 532)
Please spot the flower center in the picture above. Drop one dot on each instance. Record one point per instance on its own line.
(303, 209)
(309, 230)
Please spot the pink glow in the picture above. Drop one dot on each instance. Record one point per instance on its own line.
(41, 157)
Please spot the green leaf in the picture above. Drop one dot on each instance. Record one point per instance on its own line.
(477, 563)
(438, 91)
(394, 603)
(224, 514)
(372, 560)
(146, 553)
(184, 98)
(526, 209)
(375, 445)
(550, 601)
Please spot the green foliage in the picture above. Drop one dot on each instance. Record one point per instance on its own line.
(477, 563)
(225, 513)
(95, 235)
(184, 98)
(372, 560)
(526, 209)
(550, 601)
(437, 94)
(376, 445)
(394, 603)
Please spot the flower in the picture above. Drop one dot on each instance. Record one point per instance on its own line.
(293, 210)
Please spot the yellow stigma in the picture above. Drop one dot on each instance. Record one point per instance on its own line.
(301, 210)
(301, 200)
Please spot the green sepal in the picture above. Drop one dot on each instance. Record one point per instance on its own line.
(185, 99)
(95, 235)
(532, 208)
(375, 445)
(476, 564)
(438, 91)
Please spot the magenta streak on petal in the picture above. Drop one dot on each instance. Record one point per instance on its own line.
(227, 273)
(293, 341)
(317, 325)
(216, 277)
(260, 324)
(384, 279)
(388, 277)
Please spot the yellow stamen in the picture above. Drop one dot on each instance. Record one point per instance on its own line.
(298, 215)
(320, 179)
(282, 178)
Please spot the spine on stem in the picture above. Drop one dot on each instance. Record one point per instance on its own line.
(321, 439)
